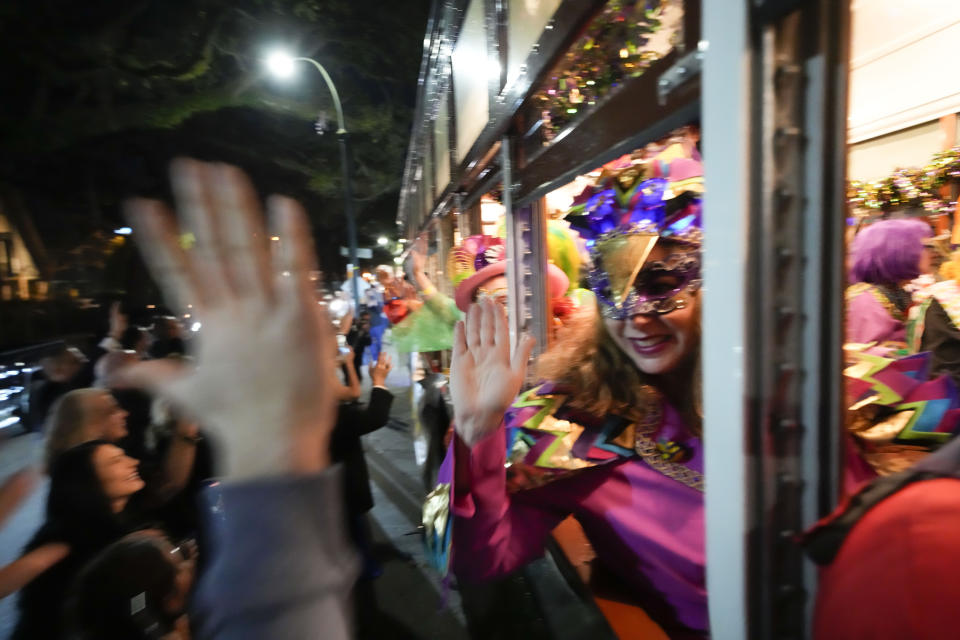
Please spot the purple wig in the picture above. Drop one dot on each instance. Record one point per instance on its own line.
(888, 251)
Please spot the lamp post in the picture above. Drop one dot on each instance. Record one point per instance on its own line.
(282, 65)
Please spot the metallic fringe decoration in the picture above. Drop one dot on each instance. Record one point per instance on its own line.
(909, 188)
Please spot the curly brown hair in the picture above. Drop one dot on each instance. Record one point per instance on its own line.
(603, 379)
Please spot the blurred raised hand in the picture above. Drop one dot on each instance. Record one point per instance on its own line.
(380, 369)
(264, 361)
(418, 254)
(118, 321)
(485, 376)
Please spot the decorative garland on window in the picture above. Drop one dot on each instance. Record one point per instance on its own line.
(909, 188)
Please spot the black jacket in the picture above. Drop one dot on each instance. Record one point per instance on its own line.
(359, 341)
(942, 339)
(353, 421)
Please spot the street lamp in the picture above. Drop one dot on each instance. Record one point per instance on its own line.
(382, 241)
(283, 65)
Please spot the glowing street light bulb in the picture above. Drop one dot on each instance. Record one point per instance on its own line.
(382, 241)
(281, 64)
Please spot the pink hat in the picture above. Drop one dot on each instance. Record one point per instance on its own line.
(481, 258)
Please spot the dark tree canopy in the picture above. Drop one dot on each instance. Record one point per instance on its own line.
(99, 95)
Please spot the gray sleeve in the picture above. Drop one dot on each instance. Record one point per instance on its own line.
(280, 564)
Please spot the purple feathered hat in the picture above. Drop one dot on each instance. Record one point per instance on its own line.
(622, 228)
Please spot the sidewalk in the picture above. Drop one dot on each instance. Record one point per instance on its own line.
(16, 453)
(407, 600)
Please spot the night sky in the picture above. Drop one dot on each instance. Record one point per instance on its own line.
(98, 96)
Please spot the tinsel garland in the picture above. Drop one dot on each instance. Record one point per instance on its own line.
(909, 188)
(612, 49)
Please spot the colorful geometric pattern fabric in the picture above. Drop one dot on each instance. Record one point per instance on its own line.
(548, 439)
(924, 411)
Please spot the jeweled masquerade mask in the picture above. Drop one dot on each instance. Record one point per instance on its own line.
(623, 228)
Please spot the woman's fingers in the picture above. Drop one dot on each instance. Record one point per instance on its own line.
(159, 241)
(488, 326)
(327, 344)
(243, 231)
(295, 257)
(383, 361)
(191, 182)
(159, 376)
(459, 338)
(501, 329)
(473, 322)
(521, 355)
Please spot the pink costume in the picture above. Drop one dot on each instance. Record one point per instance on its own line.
(873, 318)
(646, 527)
(636, 488)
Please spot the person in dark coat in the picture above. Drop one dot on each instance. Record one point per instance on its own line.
(359, 339)
(355, 420)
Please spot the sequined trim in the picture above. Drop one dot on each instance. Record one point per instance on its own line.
(647, 449)
(623, 438)
(436, 509)
(860, 288)
(436, 525)
(635, 303)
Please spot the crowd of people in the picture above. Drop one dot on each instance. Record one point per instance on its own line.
(217, 487)
(891, 540)
(213, 487)
(262, 378)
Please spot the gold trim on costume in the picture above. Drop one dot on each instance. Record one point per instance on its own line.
(859, 288)
(647, 449)
(436, 510)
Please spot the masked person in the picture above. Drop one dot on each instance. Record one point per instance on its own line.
(611, 435)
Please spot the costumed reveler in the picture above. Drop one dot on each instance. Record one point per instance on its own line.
(416, 325)
(612, 435)
(884, 258)
(477, 269)
(936, 321)
(902, 408)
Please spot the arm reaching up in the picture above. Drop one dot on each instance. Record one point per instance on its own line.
(484, 376)
(418, 258)
(263, 381)
(264, 360)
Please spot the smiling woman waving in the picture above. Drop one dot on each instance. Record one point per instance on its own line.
(612, 435)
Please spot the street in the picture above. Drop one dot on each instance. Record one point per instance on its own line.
(405, 602)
